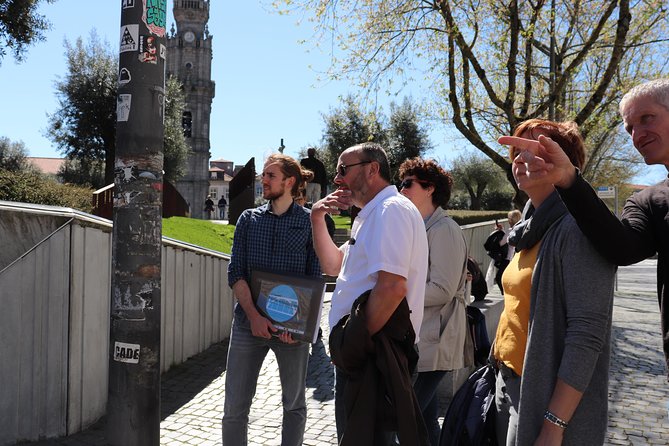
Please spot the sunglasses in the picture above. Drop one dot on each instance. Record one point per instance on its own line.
(406, 184)
(343, 168)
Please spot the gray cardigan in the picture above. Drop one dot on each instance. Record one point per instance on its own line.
(569, 334)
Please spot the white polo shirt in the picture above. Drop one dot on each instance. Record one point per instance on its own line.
(390, 236)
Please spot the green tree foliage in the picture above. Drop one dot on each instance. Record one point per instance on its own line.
(492, 65)
(33, 187)
(476, 174)
(84, 172)
(84, 125)
(347, 126)
(20, 26)
(406, 137)
(175, 148)
(403, 136)
(13, 155)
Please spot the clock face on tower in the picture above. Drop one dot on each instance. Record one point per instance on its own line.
(189, 36)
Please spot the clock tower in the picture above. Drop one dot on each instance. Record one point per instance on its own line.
(189, 59)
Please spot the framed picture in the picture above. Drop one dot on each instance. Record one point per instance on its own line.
(292, 302)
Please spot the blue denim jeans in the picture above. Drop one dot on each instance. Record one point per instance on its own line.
(425, 386)
(245, 357)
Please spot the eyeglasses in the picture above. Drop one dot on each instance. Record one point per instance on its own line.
(406, 184)
(343, 168)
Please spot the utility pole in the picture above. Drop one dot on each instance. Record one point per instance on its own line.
(133, 406)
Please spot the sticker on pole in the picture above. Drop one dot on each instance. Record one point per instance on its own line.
(126, 352)
(155, 16)
(123, 107)
(129, 38)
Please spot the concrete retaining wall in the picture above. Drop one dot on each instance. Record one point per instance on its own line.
(54, 323)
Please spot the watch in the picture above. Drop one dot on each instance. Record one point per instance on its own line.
(189, 36)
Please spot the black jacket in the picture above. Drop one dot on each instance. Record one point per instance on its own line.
(379, 394)
(642, 231)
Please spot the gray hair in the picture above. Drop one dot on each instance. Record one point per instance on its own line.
(372, 151)
(656, 90)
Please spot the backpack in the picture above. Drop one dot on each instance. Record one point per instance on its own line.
(479, 286)
(493, 248)
(479, 333)
(470, 418)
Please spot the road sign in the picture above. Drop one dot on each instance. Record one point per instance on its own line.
(606, 192)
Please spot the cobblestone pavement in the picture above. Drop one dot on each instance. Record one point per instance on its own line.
(193, 393)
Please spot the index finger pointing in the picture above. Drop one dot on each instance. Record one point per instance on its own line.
(521, 143)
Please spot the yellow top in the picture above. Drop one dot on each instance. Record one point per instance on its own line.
(511, 336)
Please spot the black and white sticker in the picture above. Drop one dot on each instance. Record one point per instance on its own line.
(126, 352)
(124, 76)
(129, 38)
(123, 107)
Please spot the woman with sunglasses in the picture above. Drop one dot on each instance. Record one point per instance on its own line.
(552, 344)
(444, 329)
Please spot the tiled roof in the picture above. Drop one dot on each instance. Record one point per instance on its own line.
(47, 165)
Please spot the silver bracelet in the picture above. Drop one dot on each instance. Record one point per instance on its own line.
(559, 422)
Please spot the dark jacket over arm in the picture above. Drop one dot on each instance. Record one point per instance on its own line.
(379, 394)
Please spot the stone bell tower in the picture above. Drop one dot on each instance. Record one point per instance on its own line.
(189, 59)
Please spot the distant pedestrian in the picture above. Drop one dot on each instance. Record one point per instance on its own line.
(316, 188)
(277, 237)
(222, 203)
(209, 208)
(500, 249)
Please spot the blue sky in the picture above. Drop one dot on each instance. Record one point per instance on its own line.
(266, 82)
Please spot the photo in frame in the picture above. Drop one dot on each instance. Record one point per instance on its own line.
(291, 302)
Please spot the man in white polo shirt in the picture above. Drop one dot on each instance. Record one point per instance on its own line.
(387, 252)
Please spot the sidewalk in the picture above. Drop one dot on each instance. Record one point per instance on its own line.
(193, 393)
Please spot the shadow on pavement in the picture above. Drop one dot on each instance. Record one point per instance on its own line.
(181, 383)
(320, 373)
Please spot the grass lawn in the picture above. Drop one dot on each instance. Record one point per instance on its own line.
(342, 221)
(200, 232)
(219, 237)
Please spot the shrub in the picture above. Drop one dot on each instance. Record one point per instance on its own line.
(463, 217)
(31, 187)
(497, 199)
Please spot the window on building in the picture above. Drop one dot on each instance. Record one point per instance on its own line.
(214, 193)
(187, 124)
(190, 4)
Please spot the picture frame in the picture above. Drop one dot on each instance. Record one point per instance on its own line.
(293, 303)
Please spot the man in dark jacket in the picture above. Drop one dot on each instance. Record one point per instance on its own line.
(316, 188)
(644, 226)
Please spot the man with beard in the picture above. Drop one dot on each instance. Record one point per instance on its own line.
(387, 254)
(276, 237)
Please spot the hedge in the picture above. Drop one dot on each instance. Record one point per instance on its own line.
(30, 187)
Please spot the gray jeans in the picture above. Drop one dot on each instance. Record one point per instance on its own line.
(245, 357)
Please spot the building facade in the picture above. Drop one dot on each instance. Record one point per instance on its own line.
(189, 55)
(220, 174)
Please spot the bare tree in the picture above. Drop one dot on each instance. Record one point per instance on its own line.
(491, 64)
